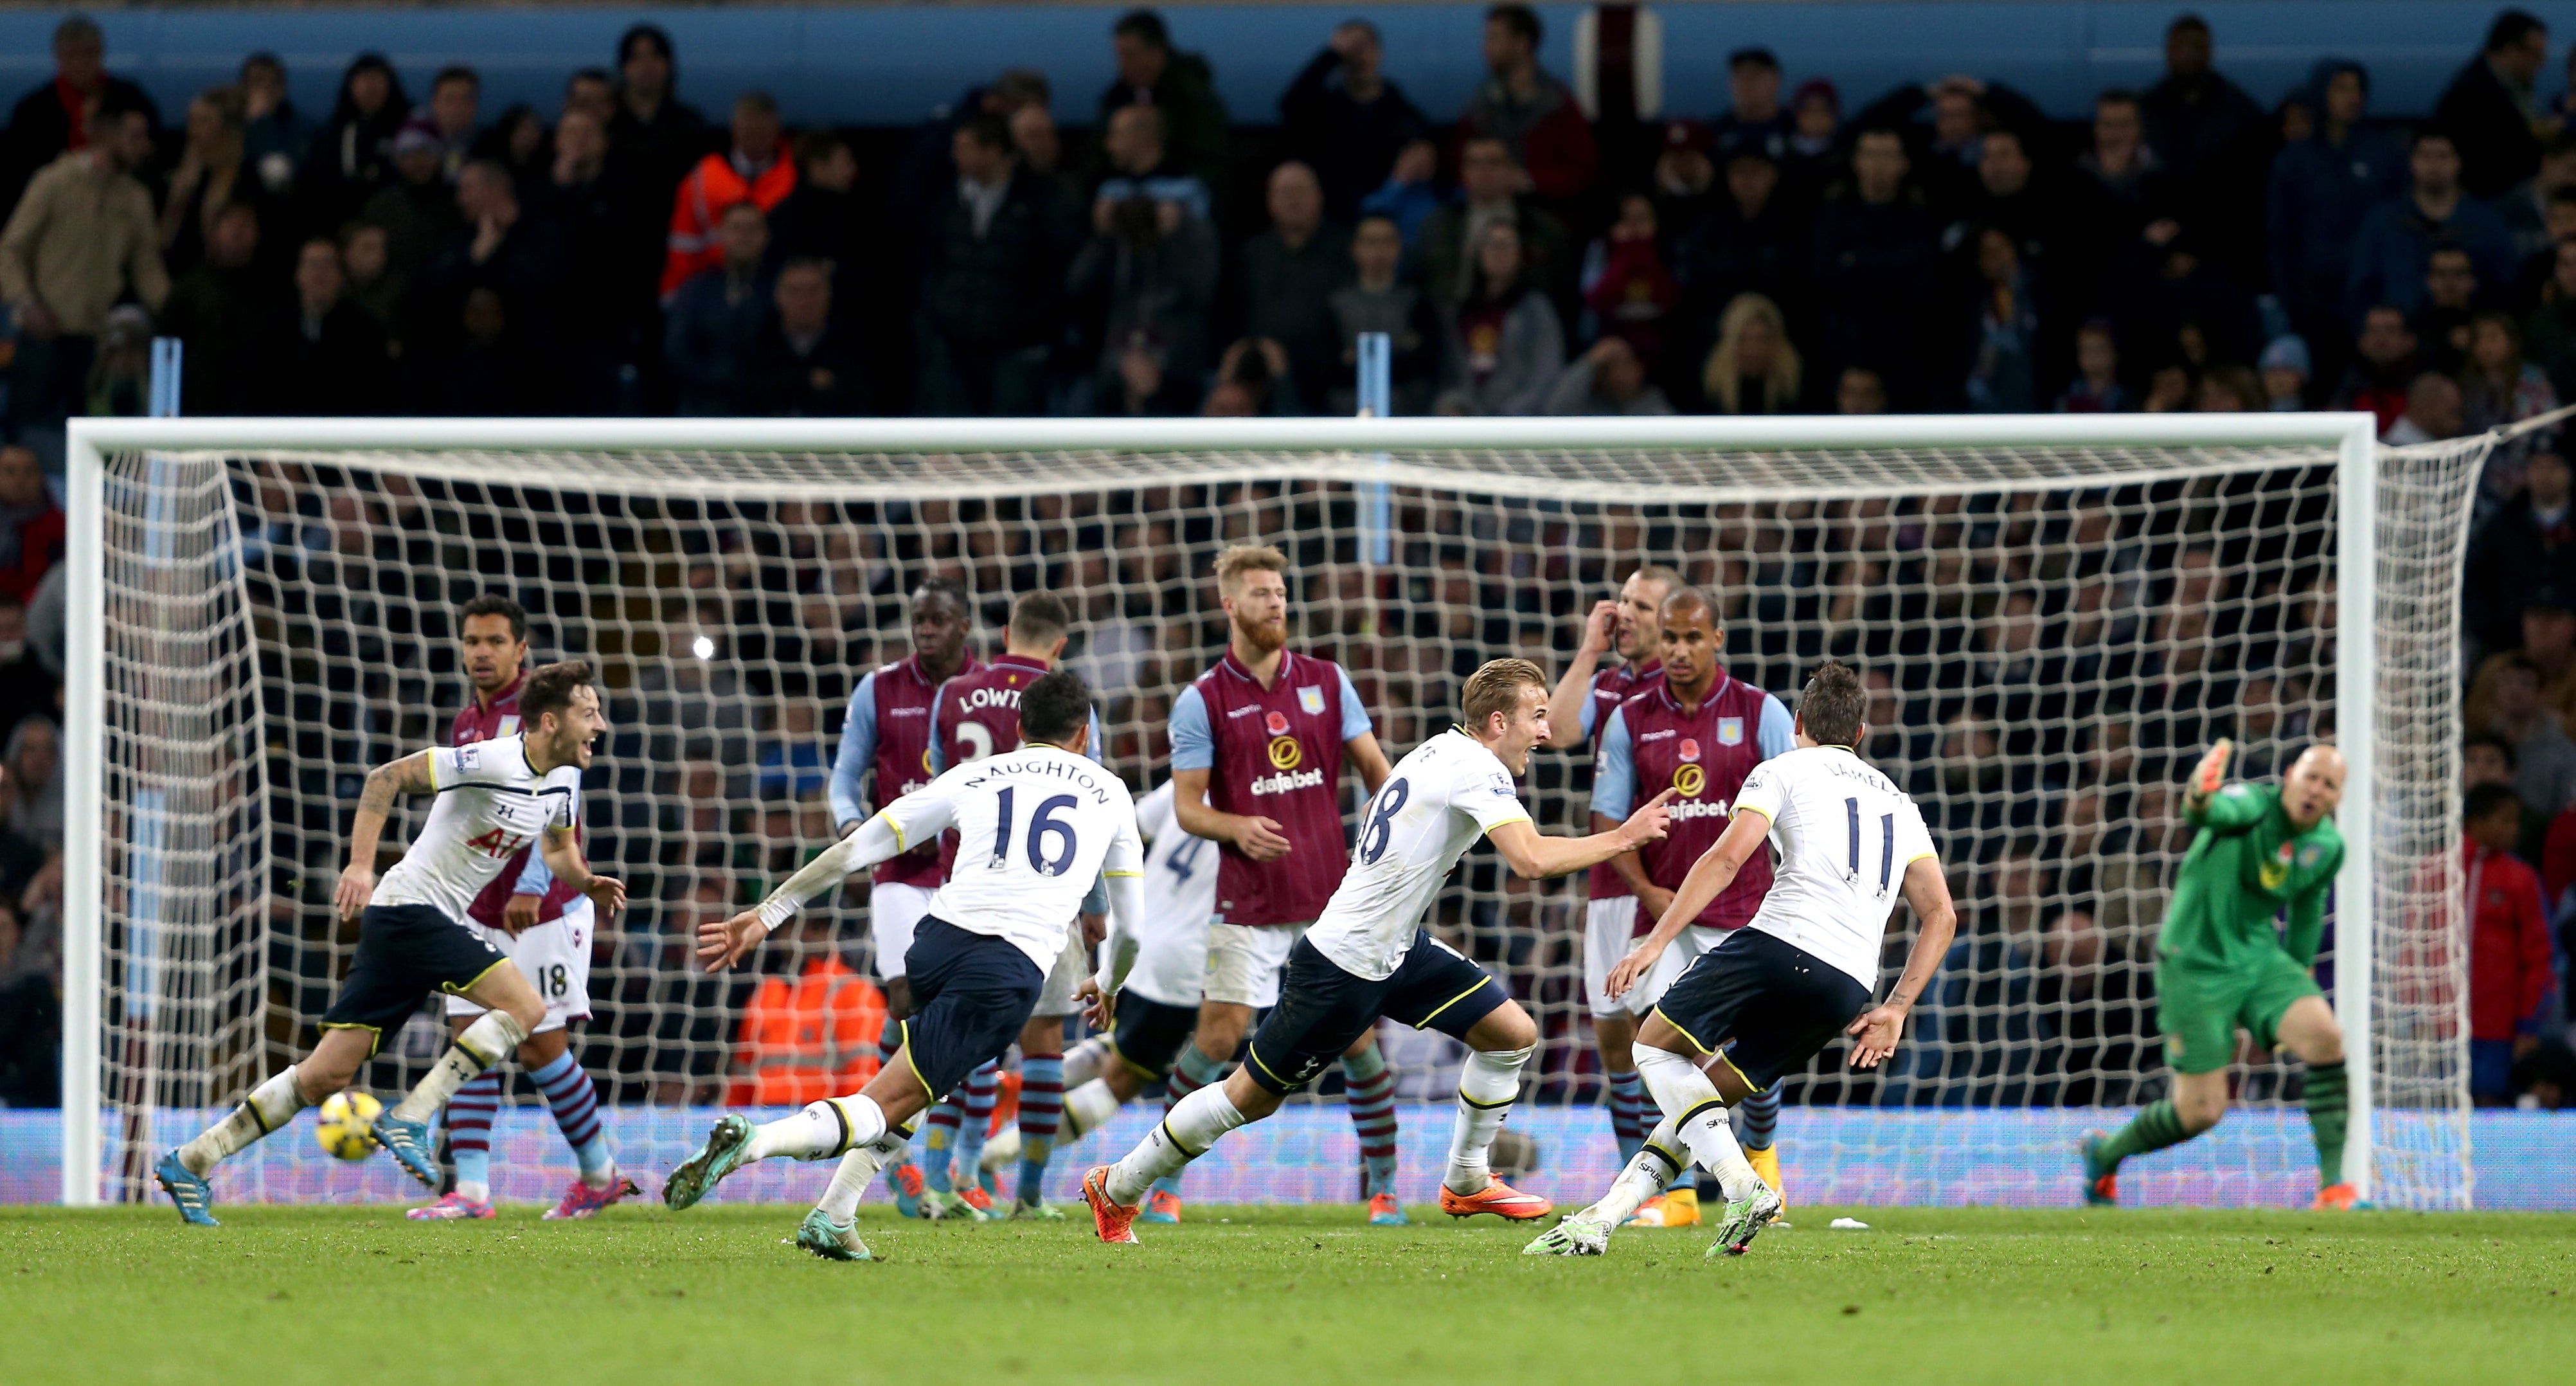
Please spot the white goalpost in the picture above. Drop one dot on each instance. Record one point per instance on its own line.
(2057, 612)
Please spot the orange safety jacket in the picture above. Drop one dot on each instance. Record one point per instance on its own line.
(712, 186)
(806, 1039)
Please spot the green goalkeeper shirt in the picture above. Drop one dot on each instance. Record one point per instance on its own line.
(2245, 867)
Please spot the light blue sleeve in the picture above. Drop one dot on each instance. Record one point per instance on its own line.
(938, 759)
(1778, 734)
(1589, 714)
(858, 748)
(1193, 742)
(536, 878)
(1099, 749)
(1355, 718)
(1614, 775)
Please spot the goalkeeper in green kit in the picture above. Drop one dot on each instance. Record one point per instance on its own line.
(2223, 965)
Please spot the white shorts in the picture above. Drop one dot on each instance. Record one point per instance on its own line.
(555, 956)
(1609, 932)
(1171, 965)
(1244, 962)
(894, 911)
(1071, 967)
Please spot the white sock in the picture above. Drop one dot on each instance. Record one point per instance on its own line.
(1087, 1108)
(1486, 1089)
(1654, 1168)
(822, 1129)
(1698, 1116)
(841, 1199)
(476, 1189)
(486, 1042)
(270, 1105)
(1085, 1061)
(1198, 1121)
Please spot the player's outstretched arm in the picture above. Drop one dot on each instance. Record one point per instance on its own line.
(385, 783)
(1928, 891)
(2209, 801)
(720, 946)
(1532, 856)
(562, 853)
(1709, 877)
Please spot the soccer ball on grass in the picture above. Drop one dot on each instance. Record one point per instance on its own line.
(346, 1117)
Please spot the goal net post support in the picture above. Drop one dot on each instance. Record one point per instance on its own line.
(180, 667)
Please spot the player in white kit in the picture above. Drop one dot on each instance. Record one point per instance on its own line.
(413, 939)
(1036, 828)
(1368, 956)
(1159, 1004)
(1800, 973)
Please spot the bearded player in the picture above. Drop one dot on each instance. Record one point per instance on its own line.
(546, 927)
(2223, 964)
(1585, 697)
(1700, 732)
(1258, 745)
(1368, 956)
(885, 751)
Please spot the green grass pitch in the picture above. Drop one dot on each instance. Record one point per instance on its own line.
(1305, 1295)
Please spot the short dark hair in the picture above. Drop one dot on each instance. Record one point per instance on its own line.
(2486, 799)
(1683, 598)
(797, 264)
(2502, 747)
(653, 34)
(811, 147)
(987, 129)
(494, 604)
(2116, 96)
(1520, 19)
(948, 587)
(2432, 132)
(1755, 56)
(457, 72)
(600, 75)
(756, 100)
(1144, 26)
(78, 26)
(2186, 21)
(550, 688)
(1055, 707)
(1039, 616)
(2512, 27)
(1835, 705)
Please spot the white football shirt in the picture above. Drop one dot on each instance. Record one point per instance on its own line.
(1432, 808)
(1180, 895)
(491, 803)
(1845, 834)
(1036, 828)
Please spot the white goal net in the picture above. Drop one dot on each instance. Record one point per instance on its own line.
(2055, 616)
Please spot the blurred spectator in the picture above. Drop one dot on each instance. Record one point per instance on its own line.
(1289, 274)
(807, 366)
(2178, 304)
(1685, 178)
(717, 318)
(2044, 220)
(657, 136)
(2510, 956)
(2096, 388)
(2432, 412)
(27, 688)
(1376, 299)
(990, 281)
(2550, 331)
(1751, 239)
(2397, 238)
(2528, 544)
(2002, 332)
(1871, 262)
(822, 219)
(1627, 291)
(1251, 382)
(2541, 210)
(56, 118)
(2119, 161)
(274, 134)
(81, 238)
(1179, 85)
(2321, 189)
(1753, 115)
(1506, 344)
(1346, 121)
(578, 200)
(219, 310)
(1141, 166)
(756, 170)
(373, 285)
(1944, 125)
(1815, 134)
(2452, 294)
(1491, 183)
(2195, 117)
(508, 248)
(1609, 379)
(592, 91)
(453, 113)
(519, 143)
(120, 379)
(213, 174)
(2230, 389)
(2491, 110)
(31, 529)
(1148, 276)
(418, 208)
(2382, 368)
(2286, 373)
(2498, 387)
(2548, 644)
(1754, 368)
(483, 368)
(351, 155)
(2485, 758)
(1411, 192)
(1859, 391)
(35, 791)
(1529, 110)
(929, 167)
(2544, 759)
(322, 354)
(30, 1013)
(1041, 149)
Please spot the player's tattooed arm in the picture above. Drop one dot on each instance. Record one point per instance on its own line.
(385, 783)
(1875, 1033)
(562, 853)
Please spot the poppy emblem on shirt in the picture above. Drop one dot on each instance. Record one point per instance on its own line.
(1311, 698)
(1277, 722)
(1285, 753)
(1730, 731)
(1689, 780)
(1689, 749)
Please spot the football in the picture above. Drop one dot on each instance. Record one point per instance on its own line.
(346, 1117)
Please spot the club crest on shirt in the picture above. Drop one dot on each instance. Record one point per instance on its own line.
(1689, 780)
(510, 725)
(1277, 722)
(1285, 753)
(1689, 749)
(2310, 855)
(1730, 731)
(1311, 697)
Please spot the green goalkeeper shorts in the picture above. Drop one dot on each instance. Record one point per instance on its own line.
(2200, 1008)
